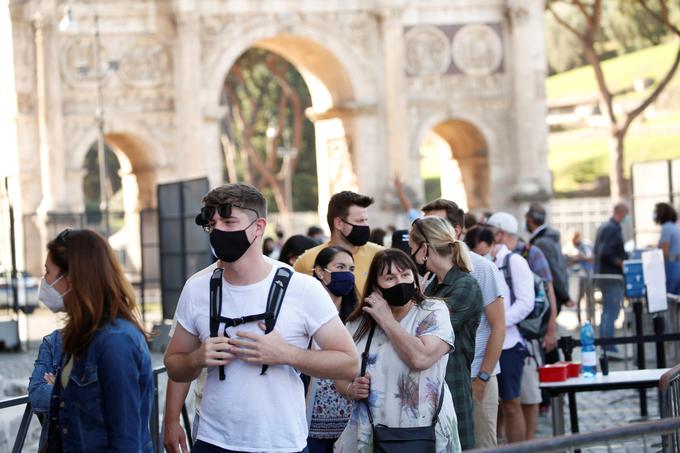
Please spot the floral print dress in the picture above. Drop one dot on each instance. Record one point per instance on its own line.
(400, 396)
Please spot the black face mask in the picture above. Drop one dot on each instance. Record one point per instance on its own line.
(399, 294)
(359, 234)
(422, 268)
(229, 246)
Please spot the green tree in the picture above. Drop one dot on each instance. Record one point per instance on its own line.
(591, 40)
(266, 99)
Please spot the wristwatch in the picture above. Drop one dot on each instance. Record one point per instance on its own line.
(483, 376)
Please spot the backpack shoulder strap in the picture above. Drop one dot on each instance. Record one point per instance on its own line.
(507, 273)
(277, 291)
(216, 306)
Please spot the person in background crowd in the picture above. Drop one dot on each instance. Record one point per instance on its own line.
(517, 308)
(411, 337)
(547, 239)
(102, 396)
(316, 233)
(490, 333)
(433, 244)
(479, 240)
(348, 221)
(295, 246)
(608, 259)
(378, 236)
(669, 243)
(530, 394)
(46, 367)
(579, 253)
(268, 247)
(330, 411)
(469, 221)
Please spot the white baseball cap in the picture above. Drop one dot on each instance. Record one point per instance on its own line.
(504, 221)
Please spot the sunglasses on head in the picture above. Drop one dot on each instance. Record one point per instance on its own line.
(204, 217)
(63, 236)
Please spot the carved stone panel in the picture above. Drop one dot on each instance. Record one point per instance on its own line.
(427, 51)
(145, 61)
(477, 49)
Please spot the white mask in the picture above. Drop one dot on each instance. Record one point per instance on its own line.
(49, 296)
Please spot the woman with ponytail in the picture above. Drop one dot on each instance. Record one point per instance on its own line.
(434, 245)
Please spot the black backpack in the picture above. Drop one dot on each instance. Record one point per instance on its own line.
(274, 300)
(534, 326)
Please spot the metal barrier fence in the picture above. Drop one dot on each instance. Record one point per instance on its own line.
(154, 421)
(610, 438)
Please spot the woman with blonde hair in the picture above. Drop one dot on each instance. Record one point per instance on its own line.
(434, 245)
(103, 393)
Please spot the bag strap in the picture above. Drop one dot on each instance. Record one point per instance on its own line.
(507, 273)
(216, 306)
(277, 291)
(441, 403)
(364, 363)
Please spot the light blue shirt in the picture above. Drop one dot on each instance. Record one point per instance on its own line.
(670, 233)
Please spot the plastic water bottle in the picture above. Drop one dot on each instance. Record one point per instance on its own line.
(588, 354)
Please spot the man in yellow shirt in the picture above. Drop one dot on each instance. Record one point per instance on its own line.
(348, 221)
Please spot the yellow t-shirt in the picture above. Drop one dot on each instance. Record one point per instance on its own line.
(362, 261)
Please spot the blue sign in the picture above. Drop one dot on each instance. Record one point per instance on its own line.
(633, 278)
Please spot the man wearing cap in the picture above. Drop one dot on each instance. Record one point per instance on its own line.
(517, 308)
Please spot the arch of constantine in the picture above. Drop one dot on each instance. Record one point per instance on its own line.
(382, 74)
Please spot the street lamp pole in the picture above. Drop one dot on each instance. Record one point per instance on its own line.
(99, 115)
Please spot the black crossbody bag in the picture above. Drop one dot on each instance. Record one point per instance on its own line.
(420, 439)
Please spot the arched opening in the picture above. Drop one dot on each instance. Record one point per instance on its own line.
(331, 108)
(130, 183)
(455, 164)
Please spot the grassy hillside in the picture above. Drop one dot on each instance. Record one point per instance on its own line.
(577, 158)
(620, 73)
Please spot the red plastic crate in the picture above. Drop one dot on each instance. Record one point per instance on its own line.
(555, 372)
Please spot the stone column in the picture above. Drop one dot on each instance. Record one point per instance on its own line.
(394, 105)
(192, 160)
(528, 71)
(50, 115)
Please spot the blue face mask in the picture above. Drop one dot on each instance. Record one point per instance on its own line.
(341, 284)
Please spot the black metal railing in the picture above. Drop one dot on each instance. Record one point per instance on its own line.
(154, 421)
(608, 437)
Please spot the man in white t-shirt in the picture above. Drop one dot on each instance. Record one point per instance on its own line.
(250, 411)
(506, 228)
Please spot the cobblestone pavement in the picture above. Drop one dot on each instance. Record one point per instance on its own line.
(596, 410)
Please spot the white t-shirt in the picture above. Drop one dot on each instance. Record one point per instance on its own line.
(523, 286)
(247, 411)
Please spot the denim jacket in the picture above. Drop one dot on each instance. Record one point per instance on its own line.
(106, 405)
(48, 361)
(39, 391)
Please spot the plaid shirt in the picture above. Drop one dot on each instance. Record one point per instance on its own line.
(538, 263)
(464, 299)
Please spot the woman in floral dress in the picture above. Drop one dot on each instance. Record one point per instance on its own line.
(407, 358)
(327, 410)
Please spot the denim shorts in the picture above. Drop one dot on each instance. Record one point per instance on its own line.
(510, 377)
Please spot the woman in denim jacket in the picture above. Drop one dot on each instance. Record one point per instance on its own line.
(103, 392)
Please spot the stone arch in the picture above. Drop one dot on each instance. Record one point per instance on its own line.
(137, 160)
(470, 143)
(328, 67)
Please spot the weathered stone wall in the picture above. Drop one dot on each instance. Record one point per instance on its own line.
(381, 74)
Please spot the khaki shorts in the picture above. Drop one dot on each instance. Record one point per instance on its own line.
(530, 392)
(485, 414)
